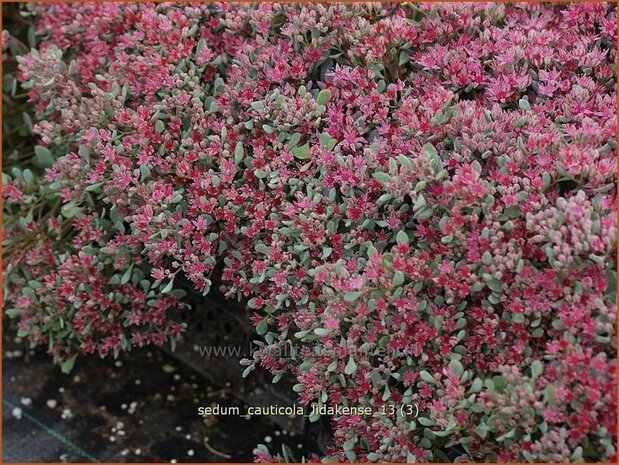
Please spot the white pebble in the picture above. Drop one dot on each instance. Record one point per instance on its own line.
(26, 401)
(17, 413)
(167, 368)
(268, 439)
(177, 376)
(138, 382)
(173, 461)
(52, 403)
(138, 451)
(132, 406)
(124, 452)
(188, 436)
(190, 452)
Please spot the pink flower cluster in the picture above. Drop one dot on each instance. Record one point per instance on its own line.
(419, 198)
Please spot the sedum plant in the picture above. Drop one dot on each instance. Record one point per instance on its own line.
(417, 199)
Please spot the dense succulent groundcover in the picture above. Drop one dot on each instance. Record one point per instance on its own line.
(416, 201)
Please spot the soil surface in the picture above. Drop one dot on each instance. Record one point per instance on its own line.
(142, 407)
